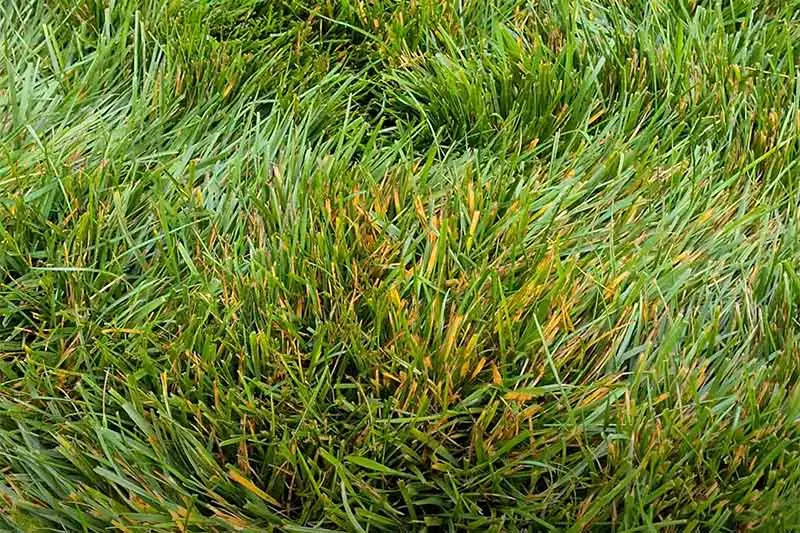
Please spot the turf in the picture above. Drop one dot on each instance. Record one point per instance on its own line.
(369, 265)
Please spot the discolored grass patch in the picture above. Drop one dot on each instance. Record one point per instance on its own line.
(372, 265)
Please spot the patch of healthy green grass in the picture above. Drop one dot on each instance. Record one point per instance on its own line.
(372, 265)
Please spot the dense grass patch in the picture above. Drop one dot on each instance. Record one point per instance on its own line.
(378, 264)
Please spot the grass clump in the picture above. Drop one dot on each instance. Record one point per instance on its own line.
(371, 265)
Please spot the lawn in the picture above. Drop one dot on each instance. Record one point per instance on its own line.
(399, 265)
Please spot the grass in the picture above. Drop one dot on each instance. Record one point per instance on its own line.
(375, 265)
